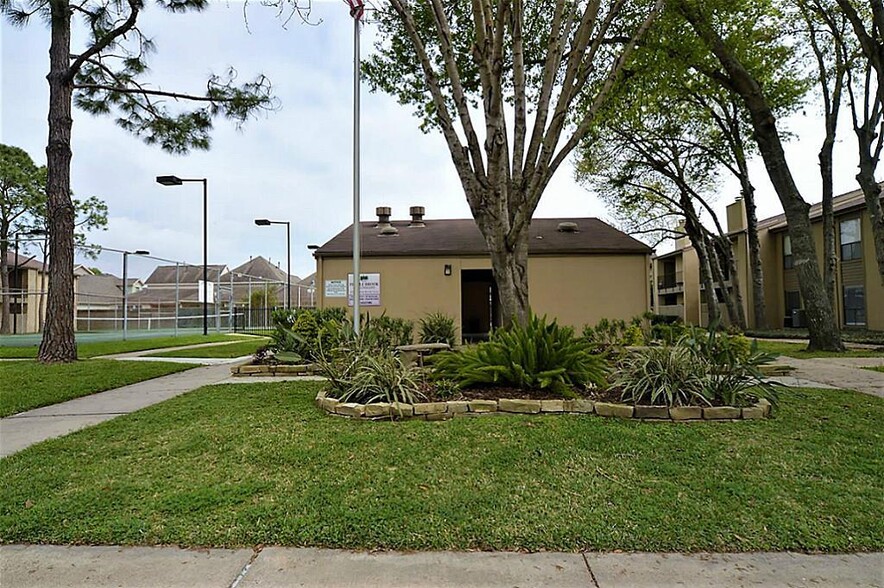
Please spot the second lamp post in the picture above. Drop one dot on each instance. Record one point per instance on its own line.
(263, 222)
(176, 181)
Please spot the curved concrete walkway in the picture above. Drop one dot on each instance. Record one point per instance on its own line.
(46, 565)
(840, 372)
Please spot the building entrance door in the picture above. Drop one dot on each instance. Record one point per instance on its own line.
(478, 304)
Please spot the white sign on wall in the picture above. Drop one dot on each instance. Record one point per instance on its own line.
(336, 288)
(369, 289)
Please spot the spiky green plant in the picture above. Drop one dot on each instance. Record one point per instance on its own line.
(538, 355)
(438, 327)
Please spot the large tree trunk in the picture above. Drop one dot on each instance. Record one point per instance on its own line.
(823, 330)
(5, 317)
(872, 192)
(698, 240)
(756, 272)
(58, 343)
(509, 264)
(830, 259)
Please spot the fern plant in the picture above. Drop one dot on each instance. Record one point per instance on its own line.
(537, 355)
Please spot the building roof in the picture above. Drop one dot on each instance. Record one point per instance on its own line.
(187, 274)
(462, 237)
(105, 288)
(840, 204)
(24, 261)
(258, 267)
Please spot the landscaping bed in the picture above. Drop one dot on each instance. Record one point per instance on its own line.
(448, 409)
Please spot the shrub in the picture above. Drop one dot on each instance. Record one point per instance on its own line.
(704, 366)
(664, 375)
(609, 333)
(536, 355)
(391, 332)
(360, 372)
(438, 327)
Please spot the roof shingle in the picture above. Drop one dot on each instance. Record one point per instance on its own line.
(462, 237)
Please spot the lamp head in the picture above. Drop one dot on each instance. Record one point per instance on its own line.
(169, 180)
(262, 222)
(313, 247)
(140, 252)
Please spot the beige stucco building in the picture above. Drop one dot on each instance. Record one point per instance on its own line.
(27, 287)
(579, 271)
(859, 300)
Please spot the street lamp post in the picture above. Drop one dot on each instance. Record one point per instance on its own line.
(176, 181)
(33, 233)
(263, 222)
(126, 255)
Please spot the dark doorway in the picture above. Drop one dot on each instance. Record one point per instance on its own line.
(478, 304)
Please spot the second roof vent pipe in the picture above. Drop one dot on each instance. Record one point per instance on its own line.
(417, 216)
(383, 213)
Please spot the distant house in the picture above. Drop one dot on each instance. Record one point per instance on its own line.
(259, 275)
(182, 283)
(27, 283)
(100, 298)
(580, 270)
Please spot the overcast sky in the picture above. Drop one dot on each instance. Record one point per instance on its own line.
(294, 164)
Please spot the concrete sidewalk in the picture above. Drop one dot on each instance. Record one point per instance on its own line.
(841, 372)
(27, 428)
(46, 565)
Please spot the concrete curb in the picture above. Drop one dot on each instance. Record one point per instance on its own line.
(69, 566)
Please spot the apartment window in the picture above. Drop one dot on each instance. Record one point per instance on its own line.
(787, 252)
(854, 306)
(851, 245)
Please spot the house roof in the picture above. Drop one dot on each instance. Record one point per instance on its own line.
(840, 204)
(101, 288)
(187, 274)
(258, 267)
(462, 237)
(24, 261)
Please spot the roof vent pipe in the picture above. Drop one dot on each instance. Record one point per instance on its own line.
(417, 216)
(389, 231)
(383, 213)
(567, 227)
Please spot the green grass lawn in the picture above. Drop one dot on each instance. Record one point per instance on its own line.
(232, 350)
(797, 350)
(94, 349)
(253, 464)
(28, 384)
(876, 368)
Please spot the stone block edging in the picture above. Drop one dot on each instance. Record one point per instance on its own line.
(249, 369)
(439, 411)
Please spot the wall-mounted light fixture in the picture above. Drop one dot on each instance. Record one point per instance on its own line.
(447, 270)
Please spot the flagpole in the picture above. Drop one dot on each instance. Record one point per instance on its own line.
(357, 10)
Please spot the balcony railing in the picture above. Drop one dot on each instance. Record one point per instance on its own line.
(670, 280)
(671, 310)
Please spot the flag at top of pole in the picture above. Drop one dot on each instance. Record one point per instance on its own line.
(357, 8)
